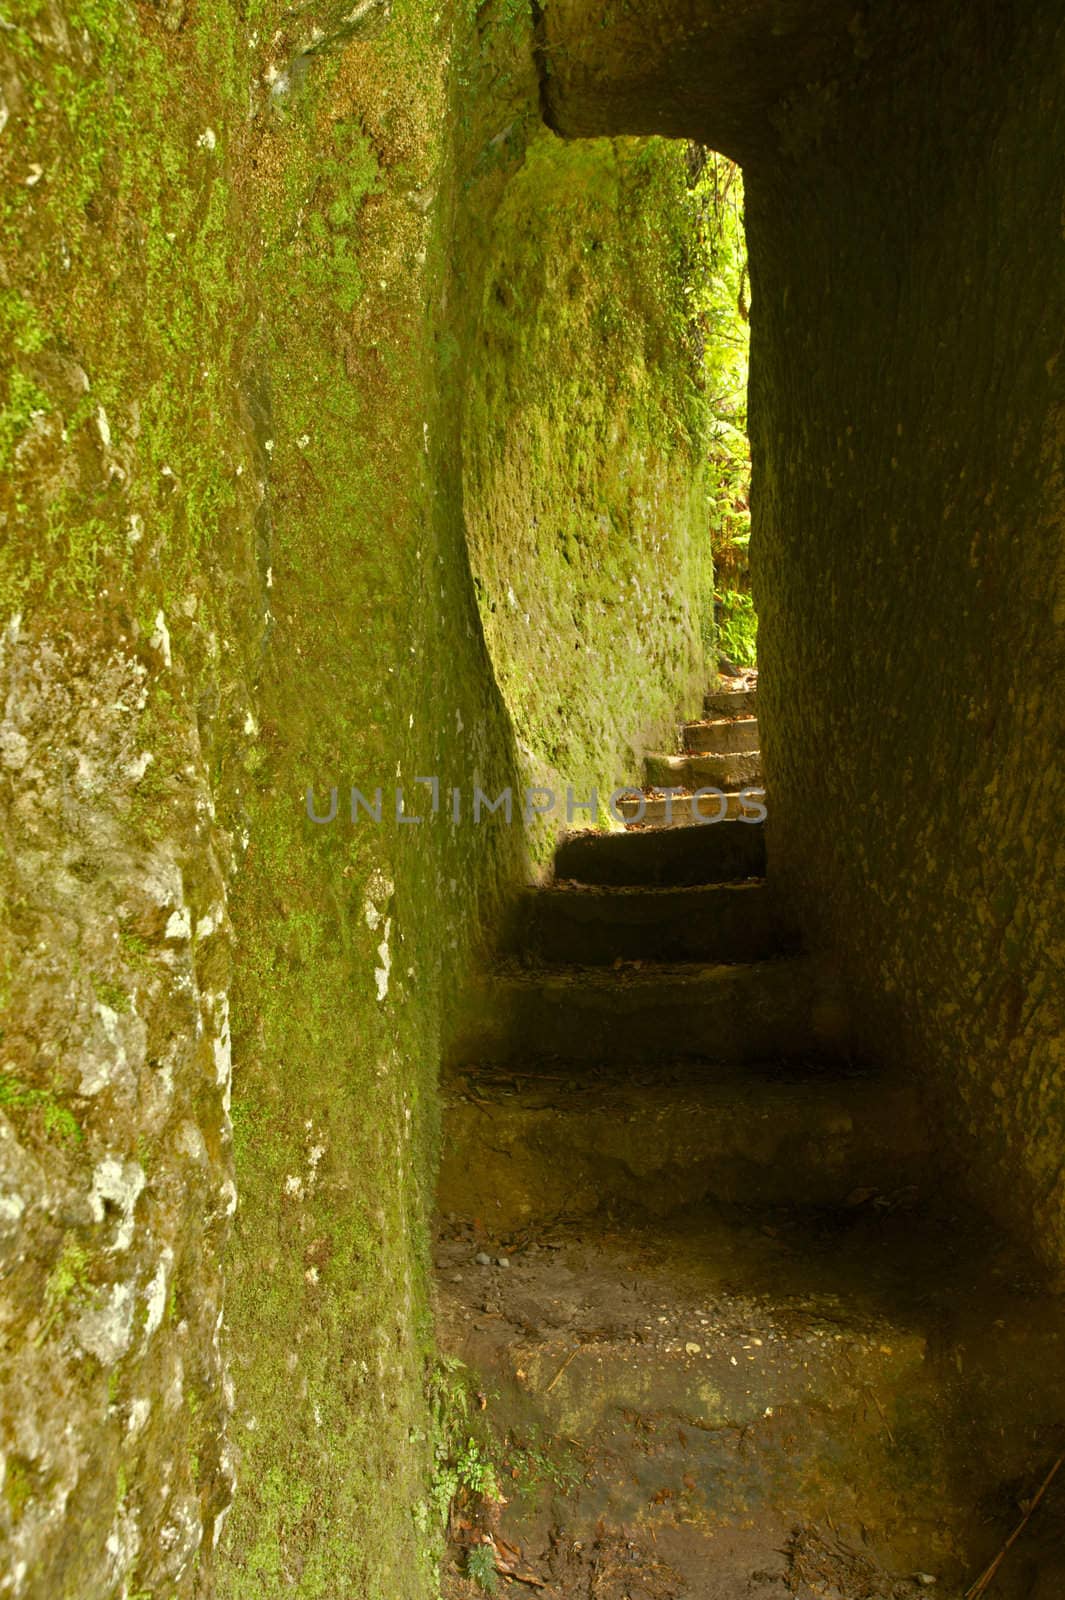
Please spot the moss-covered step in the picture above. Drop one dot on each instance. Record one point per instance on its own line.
(731, 702)
(530, 1148)
(740, 769)
(595, 925)
(719, 735)
(644, 1012)
(721, 852)
(684, 810)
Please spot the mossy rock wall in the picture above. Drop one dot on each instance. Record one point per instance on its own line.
(244, 253)
(584, 441)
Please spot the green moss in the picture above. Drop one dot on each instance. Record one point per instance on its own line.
(125, 134)
(67, 1284)
(344, 178)
(336, 1269)
(24, 399)
(112, 994)
(18, 1486)
(15, 1095)
(583, 493)
(260, 434)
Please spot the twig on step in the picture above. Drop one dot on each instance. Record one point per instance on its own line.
(982, 1582)
(883, 1417)
(562, 1368)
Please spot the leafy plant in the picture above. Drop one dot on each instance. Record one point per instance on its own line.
(461, 1465)
(481, 1567)
(68, 1281)
(720, 310)
(737, 628)
(532, 1465)
(111, 994)
(476, 1472)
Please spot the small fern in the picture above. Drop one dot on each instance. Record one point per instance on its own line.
(481, 1567)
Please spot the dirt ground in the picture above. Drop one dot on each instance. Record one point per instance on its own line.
(740, 1407)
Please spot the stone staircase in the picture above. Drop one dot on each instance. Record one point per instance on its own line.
(698, 1257)
(720, 753)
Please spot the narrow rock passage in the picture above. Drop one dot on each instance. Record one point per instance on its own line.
(732, 1335)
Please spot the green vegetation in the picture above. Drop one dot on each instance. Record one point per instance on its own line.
(372, 632)
(111, 994)
(532, 1465)
(583, 483)
(721, 308)
(737, 628)
(318, 302)
(15, 1095)
(463, 1465)
(68, 1283)
(337, 182)
(471, 1463)
(18, 1486)
(481, 1567)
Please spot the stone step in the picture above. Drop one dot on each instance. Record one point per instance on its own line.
(643, 1012)
(597, 926)
(730, 702)
(765, 1402)
(531, 1147)
(722, 853)
(739, 769)
(746, 807)
(719, 735)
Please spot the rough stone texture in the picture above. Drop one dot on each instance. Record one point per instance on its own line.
(584, 485)
(719, 922)
(241, 276)
(905, 222)
(116, 1178)
(725, 1375)
(242, 279)
(669, 1138)
(710, 1012)
(719, 72)
(907, 407)
(721, 852)
(121, 692)
(217, 269)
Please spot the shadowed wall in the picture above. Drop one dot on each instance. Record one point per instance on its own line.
(905, 219)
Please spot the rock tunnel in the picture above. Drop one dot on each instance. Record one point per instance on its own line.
(349, 443)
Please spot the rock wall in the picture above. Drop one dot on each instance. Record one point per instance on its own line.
(905, 226)
(244, 256)
(132, 611)
(906, 409)
(584, 469)
(719, 71)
